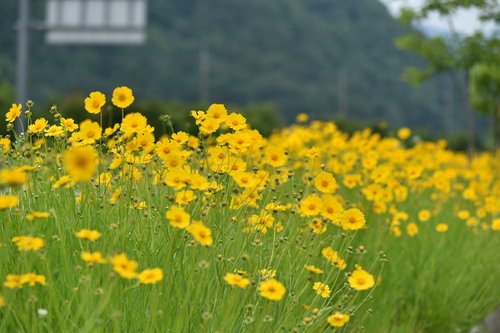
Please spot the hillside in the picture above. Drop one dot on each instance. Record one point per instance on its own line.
(321, 56)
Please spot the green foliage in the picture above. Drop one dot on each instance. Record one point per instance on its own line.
(434, 50)
(488, 9)
(484, 90)
(6, 95)
(289, 53)
(406, 15)
(455, 54)
(263, 117)
(444, 305)
(485, 87)
(459, 142)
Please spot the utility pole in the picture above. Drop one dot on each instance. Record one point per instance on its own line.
(343, 92)
(448, 105)
(22, 60)
(204, 78)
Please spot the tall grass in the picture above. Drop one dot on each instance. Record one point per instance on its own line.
(428, 282)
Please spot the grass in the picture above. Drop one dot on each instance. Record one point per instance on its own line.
(430, 282)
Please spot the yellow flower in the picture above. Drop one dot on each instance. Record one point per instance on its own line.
(91, 235)
(495, 224)
(325, 182)
(28, 243)
(116, 195)
(311, 205)
(110, 130)
(141, 205)
(275, 157)
(262, 222)
(193, 142)
(134, 123)
(351, 181)
(81, 162)
(13, 281)
(322, 289)
(472, 222)
(272, 289)
(275, 207)
(463, 214)
(209, 126)
(267, 273)
(338, 319)
(412, 229)
(180, 137)
(145, 140)
(395, 231)
(199, 116)
(331, 209)
(414, 171)
(199, 182)
(373, 192)
(236, 280)
(37, 215)
(93, 257)
(3, 303)
(442, 227)
(125, 267)
(5, 144)
(38, 143)
(424, 215)
(481, 212)
(352, 219)
(90, 132)
(31, 279)
(360, 279)
(122, 97)
(201, 233)
(333, 257)
(69, 124)
(184, 197)
(13, 177)
(38, 126)
(302, 118)
(13, 113)
(177, 217)
(166, 147)
(116, 162)
(313, 269)
(95, 102)
(236, 121)
(217, 112)
(104, 179)
(151, 276)
(54, 131)
(404, 133)
(312, 152)
(64, 180)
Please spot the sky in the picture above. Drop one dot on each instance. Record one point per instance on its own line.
(466, 21)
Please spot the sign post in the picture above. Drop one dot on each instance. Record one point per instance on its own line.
(96, 21)
(84, 22)
(22, 60)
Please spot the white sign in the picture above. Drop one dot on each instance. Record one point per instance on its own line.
(96, 21)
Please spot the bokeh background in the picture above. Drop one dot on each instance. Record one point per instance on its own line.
(271, 60)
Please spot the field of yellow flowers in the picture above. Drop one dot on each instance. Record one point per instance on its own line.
(116, 229)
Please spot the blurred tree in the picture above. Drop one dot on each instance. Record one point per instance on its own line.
(485, 94)
(315, 56)
(459, 55)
